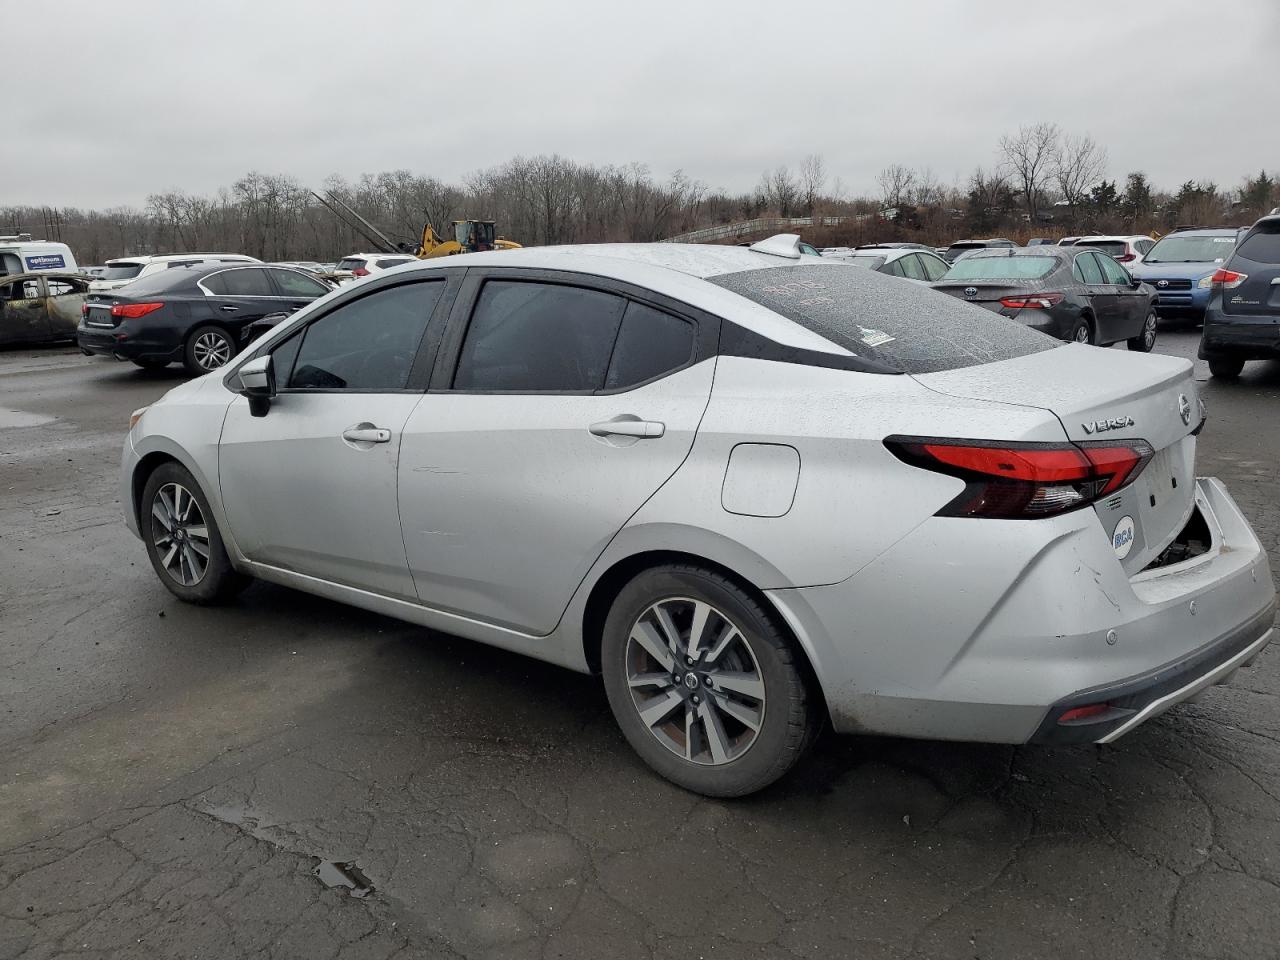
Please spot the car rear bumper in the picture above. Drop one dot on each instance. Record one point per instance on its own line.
(1239, 335)
(973, 630)
(124, 344)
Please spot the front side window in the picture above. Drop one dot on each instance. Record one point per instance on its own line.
(367, 344)
(531, 336)
(649, 344)
(293, 284)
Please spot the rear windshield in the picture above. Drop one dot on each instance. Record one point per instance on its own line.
(164, 281)
(872, 262)
(350, 263)
(1112, 248)
(120, 271)
(1191, 250)
(1262, 246)
(903, 326)
(1001, 268)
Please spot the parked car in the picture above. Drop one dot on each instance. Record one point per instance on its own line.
(1128, 250)
(19, 253)
(911, 262)
(895, 246)
(624, 459)
(197, 315)
(1068, 241)
(362, 264)
(1072, 293)
(1242, 319)
(1040, 242)
(40, 307)
(125, 270)
(961, 247)
(1180, 267)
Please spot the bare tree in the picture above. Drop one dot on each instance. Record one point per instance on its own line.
(778, 190)
(1029, 156)
(813, 177)
(897, 186)
(1078, 164)
(929, 190)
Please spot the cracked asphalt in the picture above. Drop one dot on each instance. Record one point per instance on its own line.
(170, 776)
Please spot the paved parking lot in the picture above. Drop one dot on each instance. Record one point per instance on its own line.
(172, 777)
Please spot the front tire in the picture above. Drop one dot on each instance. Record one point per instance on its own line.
(704, 685)
(1146, 340)
(1226, 368)
(208, 348)
(183, 540)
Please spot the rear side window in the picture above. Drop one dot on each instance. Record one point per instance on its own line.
(530, 336)
(900, 326)
(1112, 271)
(1086, 269)
(248, 282)
(650, 344)
(1262, 246)
(294, 284)
(911, 267)
(934, 267)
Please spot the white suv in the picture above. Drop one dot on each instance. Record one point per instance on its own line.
(359, 265)
(128, 269)
(1127, 250)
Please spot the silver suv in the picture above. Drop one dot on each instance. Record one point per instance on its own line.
(756, 491)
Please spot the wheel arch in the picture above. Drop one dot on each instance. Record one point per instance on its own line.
(622, 570)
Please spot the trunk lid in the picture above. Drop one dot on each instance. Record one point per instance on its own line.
(1105, 395)
(984, 292)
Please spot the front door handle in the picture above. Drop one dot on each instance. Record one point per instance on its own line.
(641, 429)
(363, 434)
(228, 308)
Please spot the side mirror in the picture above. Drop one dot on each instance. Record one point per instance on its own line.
(258, 383)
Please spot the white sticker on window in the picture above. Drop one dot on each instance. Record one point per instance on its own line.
(874, 338)
(1223, 239)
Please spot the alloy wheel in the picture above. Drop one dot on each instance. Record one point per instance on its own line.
(181, 535)
(1149, 331)
(211, 350)
(1082, 334)
(695, 681)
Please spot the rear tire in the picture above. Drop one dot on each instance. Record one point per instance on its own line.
(740, 714)
(1226, 368)
(1081, 331)
(208, 348)
(1145, 340)
(183, 540)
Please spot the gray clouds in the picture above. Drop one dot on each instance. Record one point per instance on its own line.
(192, 95)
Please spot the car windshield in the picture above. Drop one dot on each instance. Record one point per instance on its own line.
(901, 326)
(1112, 248)
(1191, 249)
(1001, 268)
(120, 271)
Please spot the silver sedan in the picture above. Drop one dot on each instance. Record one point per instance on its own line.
(755, 490)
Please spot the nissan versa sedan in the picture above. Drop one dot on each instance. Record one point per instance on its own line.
(1072, 293)
(754, 490)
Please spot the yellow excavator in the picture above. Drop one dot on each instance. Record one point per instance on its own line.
(469, 236)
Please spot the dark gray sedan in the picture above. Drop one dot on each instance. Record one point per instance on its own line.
(1072, 293)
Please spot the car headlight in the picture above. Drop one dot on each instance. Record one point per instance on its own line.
(136, 416)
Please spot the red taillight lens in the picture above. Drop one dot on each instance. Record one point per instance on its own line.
(132, 311)
(1014, 481)
(1077, 714)
(359, 272)
(84, 309)
(1228, 278)
(1126, 258)
(1041, 301)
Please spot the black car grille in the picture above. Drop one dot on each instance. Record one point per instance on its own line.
(1170, 284)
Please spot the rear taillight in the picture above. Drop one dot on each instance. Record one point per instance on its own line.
(1041, 301)
(1126, 258)
(1227, 278)
(132, 311)
(359, 272)
(84, 309)
(1016, 481)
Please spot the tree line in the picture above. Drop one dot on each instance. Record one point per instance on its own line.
(1043, 181)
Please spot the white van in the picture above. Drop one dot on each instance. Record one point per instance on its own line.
(21, 254)
(124, 270)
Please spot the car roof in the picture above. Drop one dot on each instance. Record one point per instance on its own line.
(47, 274)
(166, 257)
(1113, 236)
(1040, 250)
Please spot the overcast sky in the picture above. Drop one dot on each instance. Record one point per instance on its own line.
(192, 95)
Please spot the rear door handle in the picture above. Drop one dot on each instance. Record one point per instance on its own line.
(366, 435)
(642, 429)
(228, 308)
